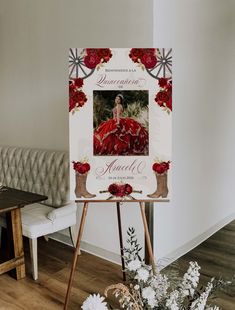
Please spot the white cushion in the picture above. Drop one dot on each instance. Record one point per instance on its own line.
(62, 212)
(35, 221)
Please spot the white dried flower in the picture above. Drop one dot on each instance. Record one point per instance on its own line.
(142, 275)
(171, 302)
(190, 280)
(149, 294)
(94, 302)
(160, 284)
(200, 302)
(134, 265)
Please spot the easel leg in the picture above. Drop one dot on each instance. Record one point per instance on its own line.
(76, 253)
(147, 236)
(121, 240)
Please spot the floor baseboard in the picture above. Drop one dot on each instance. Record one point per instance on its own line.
(163, 262)
(89, 248)
(174, 255)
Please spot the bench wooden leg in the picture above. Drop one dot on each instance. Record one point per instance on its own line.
(34, 257)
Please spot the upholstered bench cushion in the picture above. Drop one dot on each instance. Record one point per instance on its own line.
(40, 220)
(57, 213)
(36, 219)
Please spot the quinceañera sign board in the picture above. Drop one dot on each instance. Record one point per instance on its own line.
(120, 106)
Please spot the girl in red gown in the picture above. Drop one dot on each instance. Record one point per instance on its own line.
(119, 135)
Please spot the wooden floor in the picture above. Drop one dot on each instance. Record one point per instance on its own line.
(216, 256)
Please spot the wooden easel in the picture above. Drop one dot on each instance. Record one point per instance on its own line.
(81, 228)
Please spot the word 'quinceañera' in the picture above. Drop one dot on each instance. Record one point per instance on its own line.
(103, 81)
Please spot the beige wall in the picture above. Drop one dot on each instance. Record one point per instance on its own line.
(35, 37)
(202, 33)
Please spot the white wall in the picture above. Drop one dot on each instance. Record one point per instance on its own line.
(202, 36)
(35, 37)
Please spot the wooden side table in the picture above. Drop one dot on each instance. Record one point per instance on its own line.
(11, 201)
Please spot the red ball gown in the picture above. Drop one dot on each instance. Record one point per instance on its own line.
(123, 136)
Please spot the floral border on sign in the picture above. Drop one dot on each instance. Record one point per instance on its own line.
(77, 98)
(164, 95)
(91, 58)
(145, 57)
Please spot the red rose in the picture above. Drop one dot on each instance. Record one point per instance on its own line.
(76, 98)
(91, 51)
(78, 82)
(91, 60)
(113, 189)
(80, 167)
(149, 60)
(169, 104)
(162, 97)
(150, 51)
(162, 82)
(136, 53)
(160, 168)
(169, 88)
(128, 189)
(72, 104)
(80, 98)
(120, 190)
(86, 166)
(72, 88)
(105, 54)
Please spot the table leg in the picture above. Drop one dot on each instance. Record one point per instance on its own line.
(76, 253)
(17, 239)
(147, 236)
(121, 240)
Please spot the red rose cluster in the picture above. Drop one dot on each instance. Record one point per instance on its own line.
(81, 168)
(95, 56)
(120, 190)
(164, 96)
(77, 97)
(146, 56)
(162, 167)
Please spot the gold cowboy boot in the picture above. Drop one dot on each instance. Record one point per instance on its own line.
(162, 189)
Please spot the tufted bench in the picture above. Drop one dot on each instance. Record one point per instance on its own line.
(42, 172)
